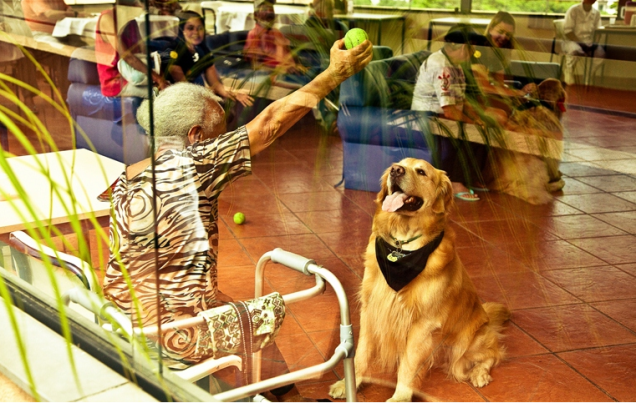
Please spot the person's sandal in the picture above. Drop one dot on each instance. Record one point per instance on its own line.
(469, 196)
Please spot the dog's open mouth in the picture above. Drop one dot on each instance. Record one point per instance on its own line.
(400, 201)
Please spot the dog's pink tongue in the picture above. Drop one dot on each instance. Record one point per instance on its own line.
(393, 202)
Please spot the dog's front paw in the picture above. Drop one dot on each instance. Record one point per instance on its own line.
(398, 399)
(337, 390)
(402, 393)
(480, 379)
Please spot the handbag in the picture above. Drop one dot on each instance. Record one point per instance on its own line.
(242, 327)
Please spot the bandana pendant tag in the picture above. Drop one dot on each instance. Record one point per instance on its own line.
(395, 256)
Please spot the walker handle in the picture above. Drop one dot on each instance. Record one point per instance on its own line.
(292, 260)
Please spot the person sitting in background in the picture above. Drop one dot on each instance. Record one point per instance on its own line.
(321, 16)
(112, 44)
(42, 15)
(491, 67)
(166, 7)
(189, 59)
(581, 20)
(440, 91)
(266, 46)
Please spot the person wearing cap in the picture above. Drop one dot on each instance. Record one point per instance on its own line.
(440, 91)
(266, 46)
(581, 20)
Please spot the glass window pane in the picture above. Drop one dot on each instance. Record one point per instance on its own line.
(434, 4)
(538, 6)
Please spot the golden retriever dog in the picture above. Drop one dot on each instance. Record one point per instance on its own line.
(530, 177)
(418, 305)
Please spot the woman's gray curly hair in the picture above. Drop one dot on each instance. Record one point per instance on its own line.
(176, 110)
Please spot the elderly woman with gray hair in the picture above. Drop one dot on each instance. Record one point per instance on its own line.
(193, 162)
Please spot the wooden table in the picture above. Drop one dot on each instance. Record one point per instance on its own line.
(30, 43)
(79, 177)
(75, 26)
(160, 25)
(514, 141)
(355, 18)
(450, 21)
(602, 35)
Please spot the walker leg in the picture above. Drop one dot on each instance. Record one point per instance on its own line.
(350, 380)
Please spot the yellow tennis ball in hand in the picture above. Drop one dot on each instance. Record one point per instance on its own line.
(355, 37)
(239, 218)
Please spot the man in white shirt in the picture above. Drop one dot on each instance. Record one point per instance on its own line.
(581, 20)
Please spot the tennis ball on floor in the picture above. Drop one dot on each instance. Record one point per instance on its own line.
(239, 218)
(355, 37)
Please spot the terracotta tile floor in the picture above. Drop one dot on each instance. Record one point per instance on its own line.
(567, 270)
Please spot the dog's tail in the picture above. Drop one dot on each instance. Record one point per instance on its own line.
(497, 314)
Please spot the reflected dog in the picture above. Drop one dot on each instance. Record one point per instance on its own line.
(418, 305)
(530, 177)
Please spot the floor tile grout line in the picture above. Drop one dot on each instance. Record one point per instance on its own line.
(596, 348)
(556, 353)
(559, 305)
(633, 332)
(616, 265)
(598, 257)
(584, 377)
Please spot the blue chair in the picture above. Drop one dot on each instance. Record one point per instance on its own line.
(106, 125)
(372, 104)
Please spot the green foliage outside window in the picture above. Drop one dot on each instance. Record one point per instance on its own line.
(522, 6)
(439, 4)
(531, 6)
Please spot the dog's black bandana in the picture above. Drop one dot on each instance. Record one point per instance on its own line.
(533, 103)
(400, 273)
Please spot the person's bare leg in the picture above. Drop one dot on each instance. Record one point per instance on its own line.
(459, 187)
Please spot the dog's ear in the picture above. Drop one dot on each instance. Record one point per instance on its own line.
(443, 195)
(384, 187)
(550, 90)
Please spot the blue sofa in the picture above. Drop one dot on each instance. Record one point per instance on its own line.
(109, 123)
(371, 102)
(227, 49)
(375, 102)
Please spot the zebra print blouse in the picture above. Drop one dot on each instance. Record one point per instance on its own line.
(188, 183)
